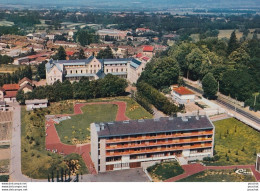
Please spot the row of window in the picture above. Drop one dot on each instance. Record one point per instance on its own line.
(116, 70)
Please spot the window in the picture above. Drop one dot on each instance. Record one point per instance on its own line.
(117, 69)
(91, 66)
(81, 71)
(76, 71)
(71, 71)
(111, 70)
(107, 70)
(122, 69)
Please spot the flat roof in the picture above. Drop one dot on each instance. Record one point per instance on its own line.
(183, 91)
(36, 101)
(145, 126)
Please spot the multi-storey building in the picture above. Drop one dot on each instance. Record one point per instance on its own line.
(138, 143)
(93, 68)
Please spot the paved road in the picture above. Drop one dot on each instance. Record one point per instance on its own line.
(229, 106)
(15, 163)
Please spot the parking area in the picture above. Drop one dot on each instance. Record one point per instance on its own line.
(130, 175)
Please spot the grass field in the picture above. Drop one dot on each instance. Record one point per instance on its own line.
(4, 166)
(9, 68)
(36, 161)
(235, 143)
(165, 170)
(133, 109)
(218, 176)
(76, 129)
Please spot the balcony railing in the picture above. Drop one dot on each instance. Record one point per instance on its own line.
(158, 143)
(147, 150)
(176, 135)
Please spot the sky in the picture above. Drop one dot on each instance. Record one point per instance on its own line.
(142, 3)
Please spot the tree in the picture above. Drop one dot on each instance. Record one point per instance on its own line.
(60, 55)
(41, 70)
(81, 54)
(20, 97)
(232, 43)
(209, 85)
(105, 54)
(239, 58)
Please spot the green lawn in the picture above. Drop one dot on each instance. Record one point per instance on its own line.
(165, 170)
(133, 109)
(235, 143)
(36, 161)
(76, 129)
(4, 165)
(218, 176)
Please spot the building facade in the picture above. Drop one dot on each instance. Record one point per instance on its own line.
(36, 104)
(92, 68)
(182, 95)
(136, 143)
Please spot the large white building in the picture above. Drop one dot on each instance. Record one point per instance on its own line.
(93, 68)
(138, 143)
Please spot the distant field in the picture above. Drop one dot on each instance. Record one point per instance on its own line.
(6, 23)
(9, 68)
(218, 176)
(227, 33)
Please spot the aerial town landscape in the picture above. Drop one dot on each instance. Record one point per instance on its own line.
(126, 93)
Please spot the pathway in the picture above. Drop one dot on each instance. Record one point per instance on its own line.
(15, 162)
(53, 142)
(191, 169)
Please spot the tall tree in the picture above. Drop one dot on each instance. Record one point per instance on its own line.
(81, 54)
(209, 85)
(60, 55)
(106, 53)
(232, 43)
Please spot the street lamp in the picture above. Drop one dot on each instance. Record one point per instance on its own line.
(255, 94)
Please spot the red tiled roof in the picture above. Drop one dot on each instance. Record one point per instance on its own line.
(139, 55)
(183, 91)
(24, 79)
(148, 49)
(10, 94)
(11, 87)
(145, 58)
(70, 53)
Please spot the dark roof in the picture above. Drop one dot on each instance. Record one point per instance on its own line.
(165, 124)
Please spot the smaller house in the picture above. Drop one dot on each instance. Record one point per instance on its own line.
(10, 92)
(24, 81)
(182, 95)
(257, 166)
(35, 104)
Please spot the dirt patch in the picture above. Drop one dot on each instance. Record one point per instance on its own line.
(4, 154)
